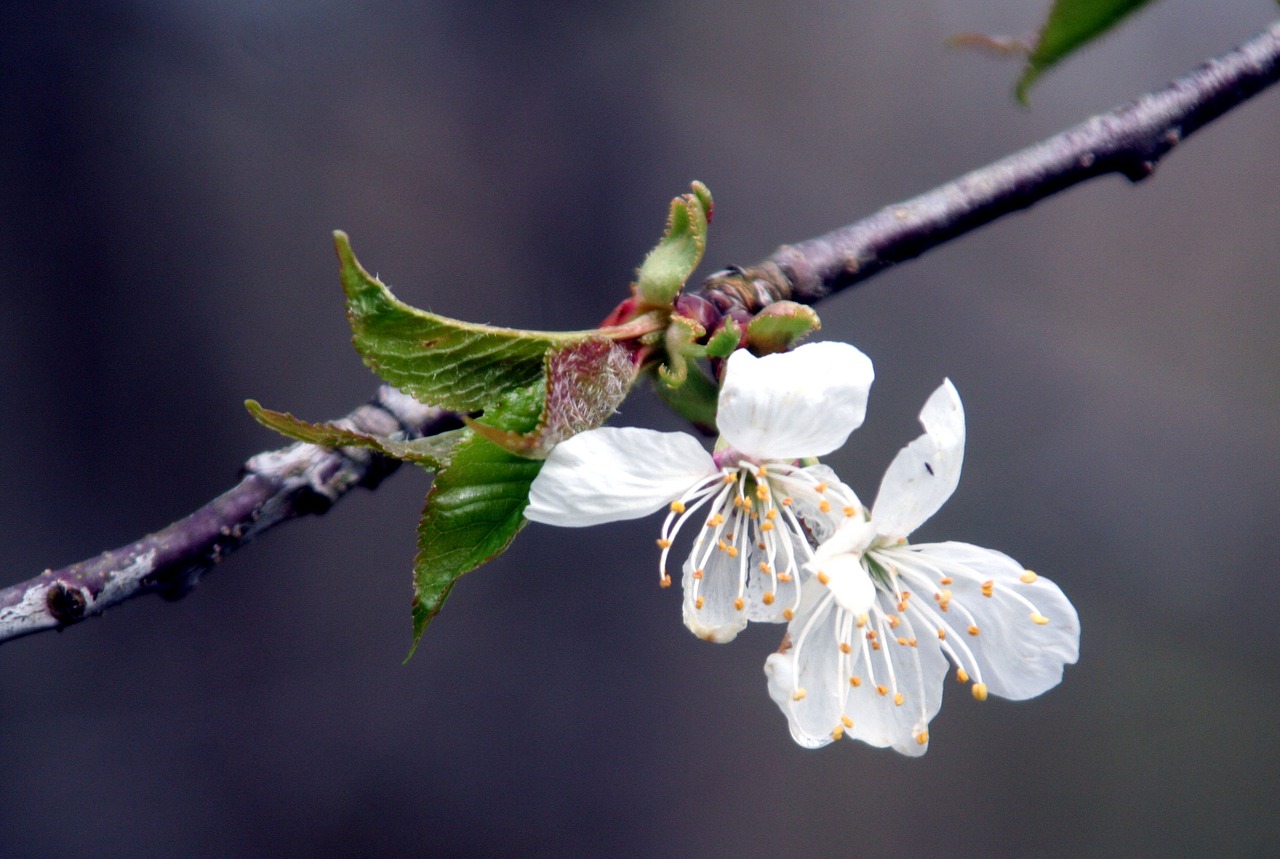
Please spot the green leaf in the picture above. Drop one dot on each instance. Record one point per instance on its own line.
(695, 400)
(779, 325)
(1070, 25)
(456, 365)
(585, 384)
(664, 271)
(727, 338)
(432, 452)
(475, 507)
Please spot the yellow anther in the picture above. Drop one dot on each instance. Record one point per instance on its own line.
(821, 487)
(762, 491)
(697, 574)
(767, 599)
(762, 471)
(760, 545)
(942, 634)
(798, 695)
(765, 568)
(913, 642)
(980, 691)
(943, 595)
(784, 577)
(729, 478)
(861, 621)
(882, 690)
(698, 603)
(787, 502)
(1039, 618)
(772, 514)
(739, 604)
(904, 642)
(875, 645)
(846, 647)
(871, 635)
(677, 506)
(823, 577)
(664, 582)
(973, 630)
(893, 621)
(824, 505)
(766, 526)
(945, 580)
(1028, 577)
(922, 738)
(664, 543)
(962, 675)
(898, 698)
(837, 732)
(737, 502)
(849, 509)
(855, 681)
(788, 613)
(986, 588)
(715, 521)
(848, 723)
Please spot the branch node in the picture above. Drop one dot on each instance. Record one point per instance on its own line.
(66, 603)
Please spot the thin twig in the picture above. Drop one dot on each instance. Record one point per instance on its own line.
(277, 486)
(1129, 140)
(303, 479)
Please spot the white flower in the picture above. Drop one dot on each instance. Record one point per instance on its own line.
(866, 654)
(761, 506)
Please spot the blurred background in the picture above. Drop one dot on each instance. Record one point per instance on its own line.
(172, 175)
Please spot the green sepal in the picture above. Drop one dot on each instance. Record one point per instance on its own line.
(585, 384)
(475, 507)
(432, 452)
(727, 338)
(681, 345)
(1070, 25)
(460, 366)
(695, 400)
(780, 325)
(664, 271)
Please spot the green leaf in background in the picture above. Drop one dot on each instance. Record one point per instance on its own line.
(1071, 24)
(459, 366)
(432, 452)
(475, 507)
(664, 271)
(586, 382)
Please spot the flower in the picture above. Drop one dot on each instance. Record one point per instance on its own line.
(866, 654)
(761, 505)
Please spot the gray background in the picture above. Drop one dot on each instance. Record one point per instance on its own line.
(172, 172)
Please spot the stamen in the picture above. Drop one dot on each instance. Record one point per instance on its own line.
(855, 681)
(898, 698)
(664, 543)
(824, 505)
(980, 691)
(882, 690)
(677, 506)
(788, 614)
(767, 599)
(973, 630)
(1039, 618)
(987, 586)
(698, 603)
(1028, 577)
(739, 604)
(945, 580)
(848, 723)
(664, 582)
(798, 695)
(837, 732)
(697, 574)
(942, 634)
(846, 647)
(922, 738)
(962, 675)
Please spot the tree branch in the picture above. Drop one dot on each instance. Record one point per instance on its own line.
(303, 479)
(277, 486)
(1129, 140)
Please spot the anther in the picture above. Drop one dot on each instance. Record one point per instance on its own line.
(945, 580)
(898, 698)
(821, 487)
(942, 634)
(904, 642)
(772, 514)
(861, 621)
(788, 613)
(784, 577)
(973, 630)
(893, 621)
(698, 603)
(1028, 577)
(987, 586)
(715, 521)
(766, 526)
(849, 510)
(980, 691)
(697, 574)
(1039, 618)
(922, 738)
(738, 604)
(824, 505)
(823, 577)
(837, 732)
(677, 506)
(664, 543)
(767, 599)
(664, 582)
(962, 675)
(787, 502)
(855, 681)
(882, 690)
(798, 695)
(845, 647)
(848, 723)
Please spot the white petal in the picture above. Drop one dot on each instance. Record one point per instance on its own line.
(1018, 657)
(852, 537)
(924, 473)
(716, 618)
(807, 502)
(794, 404)
(614, 473)
(761, 586)
(847, 580)
(804, 677)
(916, 672)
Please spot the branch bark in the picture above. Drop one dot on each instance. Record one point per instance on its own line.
(304, 479)
(1129, 140)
